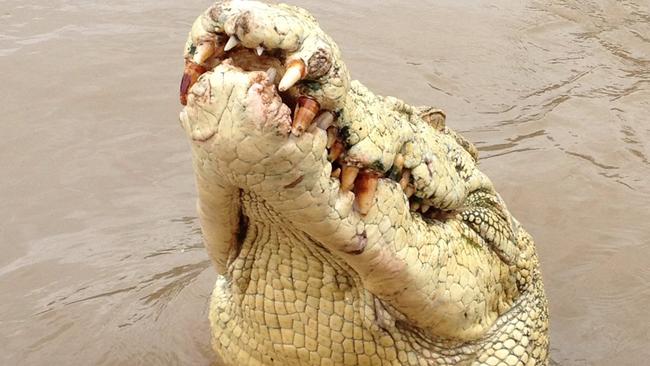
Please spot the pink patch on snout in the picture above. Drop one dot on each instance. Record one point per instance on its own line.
(266, 107)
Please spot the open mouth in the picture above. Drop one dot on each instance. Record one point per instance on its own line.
(285, 74)
(299, 166)
(209, 53)
(224, 49)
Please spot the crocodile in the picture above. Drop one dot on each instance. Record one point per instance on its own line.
(346, 228)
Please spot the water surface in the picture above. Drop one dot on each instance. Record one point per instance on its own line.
(102, 259)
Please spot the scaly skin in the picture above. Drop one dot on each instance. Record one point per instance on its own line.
(419, 263)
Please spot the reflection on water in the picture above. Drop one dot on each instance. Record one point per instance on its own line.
(102, 260)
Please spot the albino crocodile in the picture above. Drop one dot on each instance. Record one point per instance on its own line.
(347, 228)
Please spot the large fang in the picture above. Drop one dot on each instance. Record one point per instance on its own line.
(203, 51)
(348, 176)
(364, 190)
(336, 151)
(259, 50)
(232, 43)
(306, 110)
(295, 72)
(190, 76)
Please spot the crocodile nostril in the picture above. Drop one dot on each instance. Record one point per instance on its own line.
(319, 64)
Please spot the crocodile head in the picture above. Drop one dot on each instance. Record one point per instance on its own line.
(297, 164)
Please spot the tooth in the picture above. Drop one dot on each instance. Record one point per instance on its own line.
(259, 50)
(348, 176)
(399, 162)
(409, 191)
(324, 120)
(331, 136)
(336, 151)
(336, 173)
(272, 73)
(295, 72)
(203, 51)
(232, 43)
(424, 208)
(185, 86)
(364, 190)
(190, 76)
(404, 181)
(415, 206)
(306, 110)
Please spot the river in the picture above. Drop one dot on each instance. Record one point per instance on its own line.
(102, 261)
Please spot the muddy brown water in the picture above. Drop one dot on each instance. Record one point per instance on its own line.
(102, 261)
